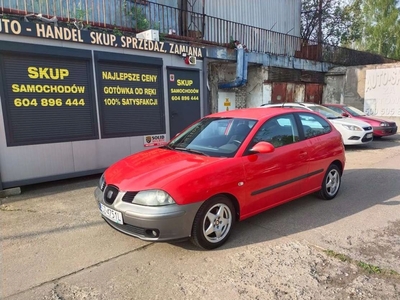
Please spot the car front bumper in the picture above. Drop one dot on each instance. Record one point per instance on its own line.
(357, 137)
(385, 131)
(148, 223)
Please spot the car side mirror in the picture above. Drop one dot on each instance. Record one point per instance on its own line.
(345, 114)
(263, 147)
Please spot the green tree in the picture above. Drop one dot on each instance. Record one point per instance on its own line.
(334, 18)
(354, 31)
(378, 27)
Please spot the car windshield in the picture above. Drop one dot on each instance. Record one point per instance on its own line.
(355, 112)
(326, 112)
(216, 137)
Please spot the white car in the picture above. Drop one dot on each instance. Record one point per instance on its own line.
(354, 132)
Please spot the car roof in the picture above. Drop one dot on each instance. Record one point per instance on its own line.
(334, 104)
(252, 113)
(287, 105)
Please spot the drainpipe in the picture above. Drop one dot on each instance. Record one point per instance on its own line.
(242, 61)
(245, 64)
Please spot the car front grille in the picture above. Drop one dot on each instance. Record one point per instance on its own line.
(128, 197)
(110, 194)
(365, 139)
(134, 230)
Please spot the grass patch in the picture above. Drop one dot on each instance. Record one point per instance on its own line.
(370, 269)
(339, 256)
(8, 208)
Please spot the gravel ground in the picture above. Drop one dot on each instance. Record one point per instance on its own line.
(289, 270)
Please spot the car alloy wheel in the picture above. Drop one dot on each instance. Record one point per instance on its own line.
(213, 223)
(331, 184)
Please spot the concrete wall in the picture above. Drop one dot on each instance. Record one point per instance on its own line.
(252, 94)
(375, 89)
(259, 87)
(345, 86)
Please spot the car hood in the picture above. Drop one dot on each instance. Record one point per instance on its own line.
(372, 120)
(348, 121)
(152, 169)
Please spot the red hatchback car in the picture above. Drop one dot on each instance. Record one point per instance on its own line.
(224, 168)
(380, 127)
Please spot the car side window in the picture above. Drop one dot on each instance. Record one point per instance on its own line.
(314, 125)
(278, 131)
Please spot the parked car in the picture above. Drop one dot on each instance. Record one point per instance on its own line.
(224, 168)
(354, 132)
(380, 127)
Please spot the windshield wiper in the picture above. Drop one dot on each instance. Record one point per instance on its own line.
(190, 150)
(167, 147)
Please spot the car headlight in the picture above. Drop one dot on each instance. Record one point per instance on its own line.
(384, 124)
(153, 198)
(352, 127)
(102, 182)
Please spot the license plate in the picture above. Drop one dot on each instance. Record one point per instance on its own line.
(369, 135)
(111, 214)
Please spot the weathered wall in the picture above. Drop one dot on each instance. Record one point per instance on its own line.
(249, 95)
(265, 84)
(374, 89)
(255, 93)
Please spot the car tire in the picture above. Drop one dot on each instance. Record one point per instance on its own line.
(213, 223)
(331, 184)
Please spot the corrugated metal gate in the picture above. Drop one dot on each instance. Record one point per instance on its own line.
(314, 93)
(288, 92)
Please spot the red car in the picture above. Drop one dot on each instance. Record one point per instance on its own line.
(224, 168)
(380, 127)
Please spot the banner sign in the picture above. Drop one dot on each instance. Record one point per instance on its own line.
(48, 31)
(130, 95)
(47, 98)
(382, 92)
(183, 98)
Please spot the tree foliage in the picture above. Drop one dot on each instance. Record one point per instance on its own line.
(334, 18)
(378, 27)
(365, 25)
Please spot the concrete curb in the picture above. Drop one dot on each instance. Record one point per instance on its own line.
(9, 192)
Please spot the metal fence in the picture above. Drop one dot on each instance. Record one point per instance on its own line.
(176, 23)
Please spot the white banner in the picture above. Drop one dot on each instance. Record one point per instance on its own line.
(382, 92)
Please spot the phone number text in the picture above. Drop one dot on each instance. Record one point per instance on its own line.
(48, 102)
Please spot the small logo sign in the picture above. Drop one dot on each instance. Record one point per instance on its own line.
(171, 77)
(148, 139)
(110, 194)
(154, 140)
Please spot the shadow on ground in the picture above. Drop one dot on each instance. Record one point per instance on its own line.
(359, 191)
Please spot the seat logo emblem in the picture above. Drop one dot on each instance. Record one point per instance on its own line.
(110, 194)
